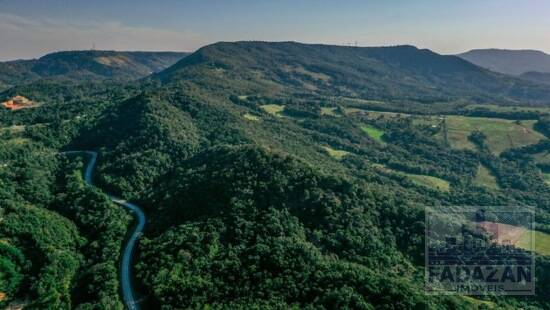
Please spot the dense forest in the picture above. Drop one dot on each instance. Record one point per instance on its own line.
(273, 175)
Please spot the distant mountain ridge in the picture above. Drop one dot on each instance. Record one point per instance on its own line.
(514, 62)
(383, 73)
(87, 65)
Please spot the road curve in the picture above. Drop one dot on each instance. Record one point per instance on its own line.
(125, 267)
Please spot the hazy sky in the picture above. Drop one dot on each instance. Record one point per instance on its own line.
(31, 28)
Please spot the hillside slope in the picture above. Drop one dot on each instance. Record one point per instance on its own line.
(513, 62)
(400, 73)
(537, 77)
(86, 65)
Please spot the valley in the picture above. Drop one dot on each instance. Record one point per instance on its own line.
(126, 265)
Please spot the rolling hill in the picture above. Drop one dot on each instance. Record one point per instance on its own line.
(514, 62)
(86, 65)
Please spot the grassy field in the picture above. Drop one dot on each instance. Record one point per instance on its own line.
(547, 178)
(429, 181)
(13, 129)
(18, 141)
(542, 242)
(477, 303)
(501, 134)
(328, 111)
(374, 114)
(251, 117)
(374, 133)
(499, 108)
(484, 177)
(542, 158)
(338, 154)
(418, 179)
(273, 109)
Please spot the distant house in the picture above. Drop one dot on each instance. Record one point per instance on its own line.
(17, 102)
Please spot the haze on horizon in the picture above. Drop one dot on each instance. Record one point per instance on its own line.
(32, 28)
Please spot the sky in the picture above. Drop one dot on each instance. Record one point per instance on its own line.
(32, 28)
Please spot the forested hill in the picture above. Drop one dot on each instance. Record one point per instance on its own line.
(398, 73)
(87, 65)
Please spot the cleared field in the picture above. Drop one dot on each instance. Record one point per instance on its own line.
(547, 178)
(251, 117)
(542, 242)
(374, 133)
(429, 181)
(328, 111)
(374, 114)
(542, 158)
(418, 179)
(520, 237)
(484, 177)
(361, 101)
(18, 141)
(338, 154)
(501, 134)
(304, 71)
(477, 303)
(498, 108)
(273, 109)
(13, 129)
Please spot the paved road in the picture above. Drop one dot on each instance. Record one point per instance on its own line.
(125, 268)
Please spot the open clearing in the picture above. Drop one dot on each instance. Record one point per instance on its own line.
(546, 178)
(18, 141)
(542, 242)
(542, 158)
(338, 154)
(418, 179)
(251, 117)
(499, 108)
(374, 114)
(374, 133)
(273, 109)
(478, 302)
(429, 181)
(520, 237)
(328, 111)
(501, 134)
(13, 129)
(484, 177)
(506, 234)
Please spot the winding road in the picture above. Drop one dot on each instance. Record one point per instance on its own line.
(125, 267)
